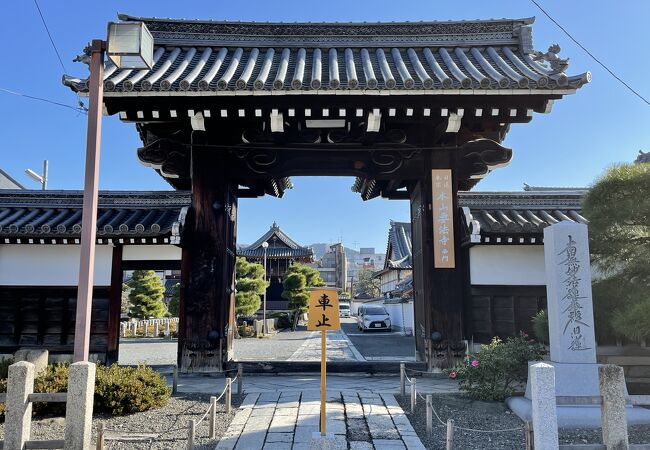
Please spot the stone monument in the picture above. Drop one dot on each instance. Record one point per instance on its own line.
(571, 332)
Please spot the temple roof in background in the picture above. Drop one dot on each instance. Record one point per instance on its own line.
(198, 57)
(7, 182)
(281, 246)
(497, 218)
(399, 252)
(46, 217)
(157, 217)
(518, 217)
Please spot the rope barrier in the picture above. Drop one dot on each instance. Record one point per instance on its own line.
(444, 424)
(157, 436)
(204, 416)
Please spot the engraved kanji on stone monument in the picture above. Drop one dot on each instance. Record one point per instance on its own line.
(570, 308)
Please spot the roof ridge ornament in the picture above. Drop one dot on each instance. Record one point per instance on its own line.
(84, 57)
(558, 65)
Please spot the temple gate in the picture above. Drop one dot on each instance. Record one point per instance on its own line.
(233, 109)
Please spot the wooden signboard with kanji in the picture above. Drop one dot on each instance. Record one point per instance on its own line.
(443, 224)
(323, 317)
(324, 310)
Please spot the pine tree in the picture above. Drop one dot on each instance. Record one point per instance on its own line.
(124, 307)
(366, 283)
(618, 209)
(174, 301)
(250, 285)
(296, 281)
(146, 296)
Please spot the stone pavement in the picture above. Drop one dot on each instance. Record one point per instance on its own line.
(339, 348)
(353, 383)
(286, 420)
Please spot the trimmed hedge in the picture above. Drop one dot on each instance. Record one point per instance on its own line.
(118, 390)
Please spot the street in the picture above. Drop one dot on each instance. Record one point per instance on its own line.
(379, 345)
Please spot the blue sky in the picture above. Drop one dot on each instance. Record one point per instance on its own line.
(600, 125)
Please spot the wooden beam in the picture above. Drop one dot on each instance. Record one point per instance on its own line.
(115, 306)
(209, 260)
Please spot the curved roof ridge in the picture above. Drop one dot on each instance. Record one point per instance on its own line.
(281, 235)
(131, 18)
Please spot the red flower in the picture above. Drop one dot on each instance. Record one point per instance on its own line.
(453, 375)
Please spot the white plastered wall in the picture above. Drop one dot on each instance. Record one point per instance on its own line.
(151, 253)
(50, 265)
(516, 265)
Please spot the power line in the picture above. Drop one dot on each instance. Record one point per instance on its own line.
(78, 109)
(58, 55)
(589, 53)
(50, 36)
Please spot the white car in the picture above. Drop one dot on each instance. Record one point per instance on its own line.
(344, 310)
(373, 317)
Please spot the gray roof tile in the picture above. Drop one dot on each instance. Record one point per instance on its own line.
(221, 57)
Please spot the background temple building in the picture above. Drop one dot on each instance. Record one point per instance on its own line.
(7, 182)
(505, 281)
(399, 253)
(282, 251)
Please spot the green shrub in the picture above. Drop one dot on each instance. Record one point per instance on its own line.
(118, 390)
(497, 368)
(4, 367)
(125, 390)
(540, 326)
(54, 378)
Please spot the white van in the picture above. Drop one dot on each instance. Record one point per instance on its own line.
(344, 310)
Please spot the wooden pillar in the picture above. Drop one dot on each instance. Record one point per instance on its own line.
(115, 306)
(438, 291)
(207, 307)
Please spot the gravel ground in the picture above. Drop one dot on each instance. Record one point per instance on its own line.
(491, 416)
(469, 414)
(151, 351)
(173, 417)
(638, 434)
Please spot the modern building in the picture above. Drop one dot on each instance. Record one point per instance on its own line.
(333, 267)
(7, 182)
(282, 252)
(366, 258)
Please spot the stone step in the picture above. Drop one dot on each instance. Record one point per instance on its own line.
(333, 367)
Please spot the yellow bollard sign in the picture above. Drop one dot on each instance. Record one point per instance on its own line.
(323, 317)
(324, 310)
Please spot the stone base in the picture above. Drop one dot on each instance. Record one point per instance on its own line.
(327, 442)
(577, 393)
(570, 416)
(572, 380)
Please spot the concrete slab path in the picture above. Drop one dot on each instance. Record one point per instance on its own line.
(339, 348)
(286, 420)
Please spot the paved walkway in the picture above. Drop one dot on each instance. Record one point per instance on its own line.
(287, 420)
(339, 348)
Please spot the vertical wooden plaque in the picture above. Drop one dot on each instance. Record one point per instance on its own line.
(443, 219)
